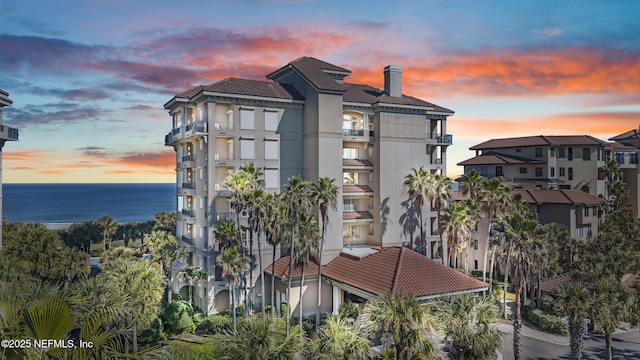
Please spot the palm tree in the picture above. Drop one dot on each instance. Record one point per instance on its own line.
(108, 229)
(164, 250)
(325, 196)
(74, 264)
(336, 339)
(192, 275)
(260, 338)
(276, 223)
(307, 243)
(401, 322)
(472, 184)
(418, 184)
(458, 225)
(612, 172)
(467, 325)
(165, 221)
(574, 300)
(440, 195)
(613, 303)
(232, 264)
(227, 235)
(257, 220)
(297, 194)
(495, 195)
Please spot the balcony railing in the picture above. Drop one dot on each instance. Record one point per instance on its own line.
(176, 131)
(11, 133)
(188, 158)
(188, 240)
(188, 212)
(223, 126)
(223, 216)
(436, 161)
(353, 132)
(223, 156)
(446, 139)
(188, 185)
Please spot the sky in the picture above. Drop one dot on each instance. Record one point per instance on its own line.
(89, 78)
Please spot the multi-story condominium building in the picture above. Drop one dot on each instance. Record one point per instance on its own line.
(305, 120)
(575, 209)
(542, 162)
(624, 150)
(6, 134)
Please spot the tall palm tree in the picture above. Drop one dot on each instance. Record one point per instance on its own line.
(612, 172)
(297, 194)
(336, 339)
(260, 338)
(495, 195)
(613, 303)
(440, 195)
(325, 196)
(467, 325)
(192, 275)
(418, 184)
(458, 225)
(307, 243)
(165, 251)
(401, 322)
(74, 264)
(276, 224)
(232, 264)
(227, 234)
(257, 219)
(108, 229)
(574, 300)
(472, 184)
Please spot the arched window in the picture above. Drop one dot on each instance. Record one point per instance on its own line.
(570, 174)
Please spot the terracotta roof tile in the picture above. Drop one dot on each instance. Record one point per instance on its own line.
(356, 189)
(366, 94)
(571, 197)
(317, 72)
(620, 147)
(356, 162)
(398, 269)
(356, 215)
(549, 285)
(491, 158)
(281, 268)
(248, 87)
(631, 134)
(539, 140)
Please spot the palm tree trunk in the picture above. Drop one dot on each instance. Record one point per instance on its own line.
(539, 294)
(466, 257)
(607, 341)
(486, 251)
(190, 294)
(517, 326)
(422, 237)
(273, 282)
(252, 266)
(504, 294)
(300, 301)
(293, 239)
(319, 301)
(134, 338)
(233, 306)
(440, 235)
(576, 331)
(491, 267)
(261, 276)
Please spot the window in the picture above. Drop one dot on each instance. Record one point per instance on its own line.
(499, 171)
(523, 170)
(270, 149)
(553, 172)
(350, 231)
(570, 176)
(271, 179)
(247, 119)
(475, 264)
(350, 178)
(620, 158)
(349, 153)
(570, 154)
(371, 229)
(561, 171)
(553, 152)
(586, 211)
(586, 154)
(270, 120)
(538, 152)
(580, 232)
(561, 152)
(633, 158)
(200, 114)
(594, 212)
(201, 202)
(518, 150)
(201, 143)
(247, 149)
(349, 205)
(538, 171)
(201, 171)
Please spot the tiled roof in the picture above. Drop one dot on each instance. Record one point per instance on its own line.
(493, 158)
(549, 285)
(248, 87)
(570, 197)
(356, 189)
(356, 162)
(366, 94)
(356, 215)
(631, 134)
(398, 269)
(539, 140)
(317, 72)
(281, 268)
(619, 147)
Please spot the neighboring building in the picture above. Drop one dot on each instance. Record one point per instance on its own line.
(575, 209)
(6, 134)
(624, 150)
(306, 121)
(542, 162)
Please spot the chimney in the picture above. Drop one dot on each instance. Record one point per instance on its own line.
(393, 80)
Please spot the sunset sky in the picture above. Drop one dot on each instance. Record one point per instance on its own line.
(88, 79)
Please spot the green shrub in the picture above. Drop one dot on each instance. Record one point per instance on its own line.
(546, 322)
(283, 309)
(194, 351)
(240, 310)
(177, 318)
(348, 310)
(214, 324)
(153, 333)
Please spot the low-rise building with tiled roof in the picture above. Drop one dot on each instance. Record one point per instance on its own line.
(304, 119)
(625, 150)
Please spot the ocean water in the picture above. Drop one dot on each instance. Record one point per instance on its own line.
(69, 203)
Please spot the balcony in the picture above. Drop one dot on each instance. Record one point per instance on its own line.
(187, 212)
(189, 185)
(188, 240)
(223, 126)
(223, 156)
(8, 133)
(358, 134)
(222, 216)
(447, 139)
(222, 189)
(356, 217)
(436, 161)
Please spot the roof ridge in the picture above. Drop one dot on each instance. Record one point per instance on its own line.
(396, 276)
